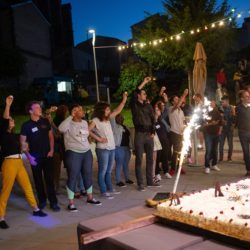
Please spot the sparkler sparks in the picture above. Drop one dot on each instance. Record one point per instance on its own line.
(192, 125)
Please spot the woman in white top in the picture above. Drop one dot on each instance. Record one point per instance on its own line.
(105, 147)
(79, 159)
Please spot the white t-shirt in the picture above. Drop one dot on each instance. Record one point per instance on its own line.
(177, 120)
(75, 135)
(104, 129)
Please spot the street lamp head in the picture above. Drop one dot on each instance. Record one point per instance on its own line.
(91, 31)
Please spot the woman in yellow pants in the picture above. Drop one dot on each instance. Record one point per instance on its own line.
(13, 167)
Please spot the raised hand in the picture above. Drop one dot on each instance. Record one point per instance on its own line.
(185, 92)
(9, 100)
(147, 79)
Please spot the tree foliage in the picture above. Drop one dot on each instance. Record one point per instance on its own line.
(185, 15)
(132, 74)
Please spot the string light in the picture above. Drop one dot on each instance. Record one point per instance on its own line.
(177, 37)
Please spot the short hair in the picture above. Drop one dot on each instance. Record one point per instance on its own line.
(171, 99)
(225, 98)
(241, 92)
(99, 110)
(30, 104)
(138, 91)
(75, 105)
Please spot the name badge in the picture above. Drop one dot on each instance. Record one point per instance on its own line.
(34, 129)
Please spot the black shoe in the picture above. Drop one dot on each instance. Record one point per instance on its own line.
(141, 188)
(72, 208)
(120, 184)
(55, 208)
(42, 205)
(77, 195)
(129, 181)
(39, 213)
(83, 193)
(94, 202)
(154, 184)
(3, 224)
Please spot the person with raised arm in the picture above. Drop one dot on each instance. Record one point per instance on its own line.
(177, 125)
(144, 123)
(13, 167)
(100, 127)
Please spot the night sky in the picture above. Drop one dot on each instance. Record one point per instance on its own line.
(114, 17)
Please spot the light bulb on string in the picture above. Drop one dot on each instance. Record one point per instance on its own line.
(178, 37)
(239, 15)
(198, 30)
(191, 32)
(221, 23)
(205, 27)
(213, 25)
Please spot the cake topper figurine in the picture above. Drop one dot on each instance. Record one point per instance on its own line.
(217, 190)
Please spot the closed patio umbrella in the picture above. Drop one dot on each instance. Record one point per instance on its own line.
(200, 70)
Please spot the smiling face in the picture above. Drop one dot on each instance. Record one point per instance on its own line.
(35, 110)
(78, 112)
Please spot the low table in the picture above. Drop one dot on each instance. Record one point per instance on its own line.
(152, 237)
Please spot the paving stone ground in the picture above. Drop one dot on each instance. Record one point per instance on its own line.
(58, 230)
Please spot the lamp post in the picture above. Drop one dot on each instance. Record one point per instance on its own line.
(92, 31)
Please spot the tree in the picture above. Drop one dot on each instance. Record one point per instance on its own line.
(132, 74)
(182, 16)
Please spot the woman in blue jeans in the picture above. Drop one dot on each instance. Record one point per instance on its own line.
(105, 147)
(79, 159)
(122, 150)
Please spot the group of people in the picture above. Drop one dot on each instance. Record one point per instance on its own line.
(158, 124)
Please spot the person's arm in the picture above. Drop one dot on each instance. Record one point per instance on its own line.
(8, 103)
(120, 107)
(145, 81)
(162, 90)
(65, 125)
(100, 139)
(51, 143)
(181, 100)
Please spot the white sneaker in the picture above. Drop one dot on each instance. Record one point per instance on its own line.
(115, 192)
(215, 168)
(168, 176)
(158, 177)
(107, 196)
(207, 170)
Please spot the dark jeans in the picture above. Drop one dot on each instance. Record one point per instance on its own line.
(44, 168)
(211, 145)
(245, 141)
(162, 156)
(176, 141)
(144, 143)
(79, 165)
(226, 133)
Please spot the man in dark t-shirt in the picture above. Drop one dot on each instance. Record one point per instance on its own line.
(38, 134)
